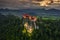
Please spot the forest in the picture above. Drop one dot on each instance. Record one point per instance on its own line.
(11, 28)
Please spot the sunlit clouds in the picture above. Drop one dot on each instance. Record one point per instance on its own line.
(46, 2)
(42, 3)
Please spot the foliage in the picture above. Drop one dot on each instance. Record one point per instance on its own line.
(11, 28)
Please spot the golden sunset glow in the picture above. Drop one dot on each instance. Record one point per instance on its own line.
(43, 3)
(46, 2)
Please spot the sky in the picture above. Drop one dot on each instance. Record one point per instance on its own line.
(24, 4)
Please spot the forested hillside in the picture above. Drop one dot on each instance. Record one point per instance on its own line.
(11, 28)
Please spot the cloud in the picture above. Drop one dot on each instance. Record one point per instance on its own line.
(18, 4)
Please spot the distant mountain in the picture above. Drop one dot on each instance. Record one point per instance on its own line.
(39, 12)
